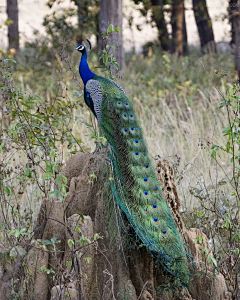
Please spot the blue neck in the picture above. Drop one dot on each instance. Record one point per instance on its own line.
(84, 70)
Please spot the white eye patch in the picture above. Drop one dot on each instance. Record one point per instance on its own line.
(80, 48)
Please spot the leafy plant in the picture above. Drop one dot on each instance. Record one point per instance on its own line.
(106, 55)
(220, 215)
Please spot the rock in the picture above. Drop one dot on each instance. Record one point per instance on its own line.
(37, 278)
(66, 292)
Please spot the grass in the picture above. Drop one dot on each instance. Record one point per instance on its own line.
(176, 100)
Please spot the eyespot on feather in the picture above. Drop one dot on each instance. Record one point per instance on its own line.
(164, 233)
(146, 195)
(125, 131)
(136, 153)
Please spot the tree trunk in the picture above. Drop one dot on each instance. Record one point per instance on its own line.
(158, 17)
(179, 33)
(82, 14)
(111, 13)
(185, 40)
(204, 25)
(13, 33)
(235, 21)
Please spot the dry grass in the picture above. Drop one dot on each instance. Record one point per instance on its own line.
(176, 103)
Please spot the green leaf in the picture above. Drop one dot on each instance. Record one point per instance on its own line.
(53, 240)
(54, 193)
(213, 153)
(10, 59)
(69, 263)
(59, 180)
(236, 251)
(87, 240)
(8, 190)
(88, 259)
(17, 233)
(80, 241)
(117, 30)
(78, 230)
(110, 28)
(70, 242)
(228, 146)
(226, 130)
(166, 58)
(227, 224)
(93, 176)
(27, 172)
(96, 236)
(11, 233)
(64, 179)
(213, 260)
(47, 242)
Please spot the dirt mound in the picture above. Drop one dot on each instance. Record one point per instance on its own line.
(79, 262)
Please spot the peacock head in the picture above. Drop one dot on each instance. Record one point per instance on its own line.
(81, 48)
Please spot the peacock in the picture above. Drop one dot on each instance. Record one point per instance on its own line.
(134, 183)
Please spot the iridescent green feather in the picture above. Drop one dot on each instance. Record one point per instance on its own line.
(135, 185)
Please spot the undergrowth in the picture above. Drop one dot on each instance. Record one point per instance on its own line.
(189, 111)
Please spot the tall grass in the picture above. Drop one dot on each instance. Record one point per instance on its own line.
(176, 100)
